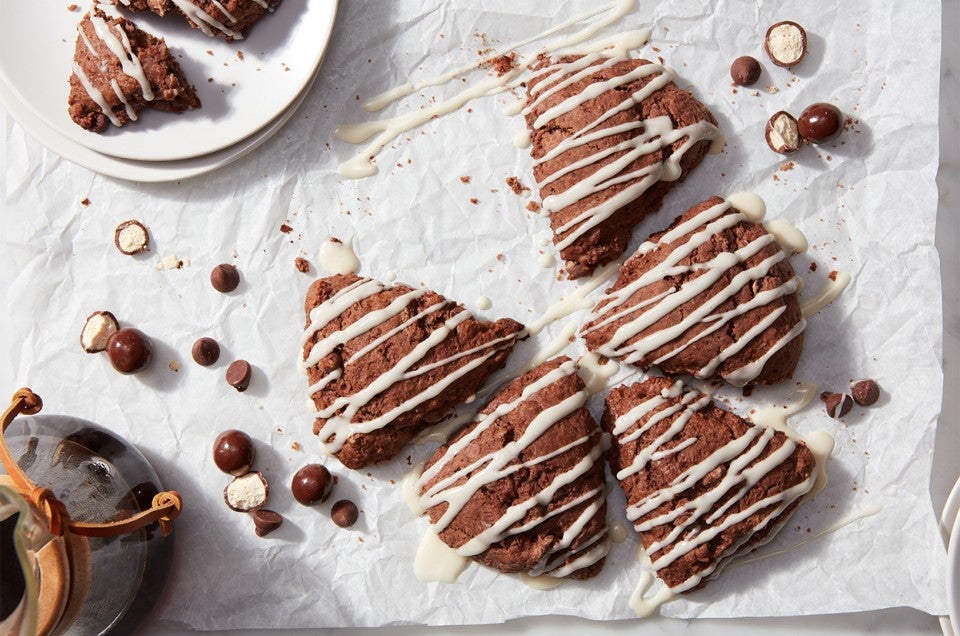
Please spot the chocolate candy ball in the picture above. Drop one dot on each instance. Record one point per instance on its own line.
(820, 123)
(224, 278)
(745, 71)
(205, 352)
(311, 484)
(233, 452)
(344, 513)
(129, 350)
(865, 392)
(238, 375)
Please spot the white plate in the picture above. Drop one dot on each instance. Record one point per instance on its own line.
(280, 57)
(142, 171)
(949, 522)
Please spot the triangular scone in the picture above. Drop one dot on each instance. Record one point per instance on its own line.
(385, 362)
(610, 137)
(119, 70)
(521, 489)
(703, 485)
(230, 19)
(713, 296)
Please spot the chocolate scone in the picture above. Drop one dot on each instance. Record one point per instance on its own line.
(610, 137)
(119, 70)
(703, 485)
(713, 296)
(386, 362)
(521, 489)
(230, 19)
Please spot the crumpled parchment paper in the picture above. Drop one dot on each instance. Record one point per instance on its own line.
(867, 205)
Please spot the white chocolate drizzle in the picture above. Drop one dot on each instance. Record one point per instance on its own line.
(456, 489)
(624, 342)
(710, 509)
(386, 130)
(206, 22)
(338, 257)
(436, 561)
(829, 294)
(338, 417)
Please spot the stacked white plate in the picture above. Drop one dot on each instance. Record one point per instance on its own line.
(950, 527)
(249, 88)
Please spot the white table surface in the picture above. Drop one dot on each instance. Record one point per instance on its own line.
(946, 461)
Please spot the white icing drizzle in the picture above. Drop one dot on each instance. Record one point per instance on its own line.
(542, 582)
(820, 443)
(624, 344)
(788, 236)
(386, 130)
(338, 257)
(436, 561)
(546, 260)
(869, 511)
(743, 471)
(408, 490)
(95, 95)
(652, 135)
(829, 294)
(119, 45)
(597, 374)
(483, 302)
(522, 139)
(618, 532)
(339, 416)
(456, 489)
(206, 22)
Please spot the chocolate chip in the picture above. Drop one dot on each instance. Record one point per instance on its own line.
(865, 392)
(311, 484)
(837, 404)
(224, 278)
(131, 238)
(745, 71)
(344, 513)
(205, 352)
(247, 492)
(782, 133)
(129, 350)
(786, 43)
(266, 521)
(238, 375)
(820, 123)
(233, 452)
(97, 329)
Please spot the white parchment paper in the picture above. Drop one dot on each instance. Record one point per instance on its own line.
(867, 205)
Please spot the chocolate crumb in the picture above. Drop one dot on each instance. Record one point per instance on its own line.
(515, 185)
(474, 201)
(813, 267)
(833, 275)
(286, 229)
(533, 206)
(302, 264)
(85, 202)
(465, 179)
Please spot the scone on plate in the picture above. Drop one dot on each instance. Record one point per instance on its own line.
(610, 137)
(521, 488)
(230, 19)
(713, 296)
(385, 362)
(703, 486)
(119, 70)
